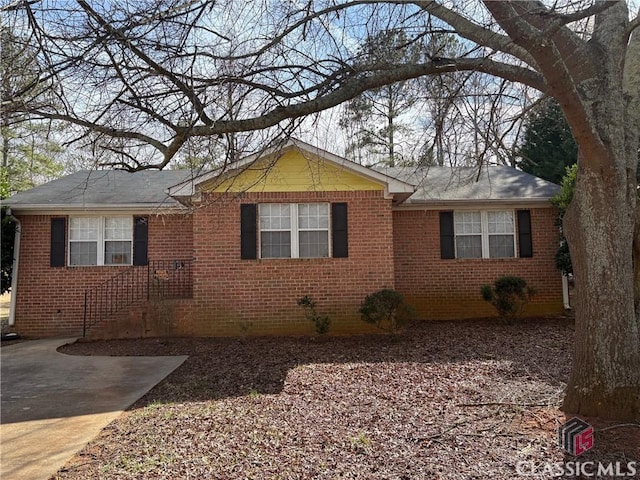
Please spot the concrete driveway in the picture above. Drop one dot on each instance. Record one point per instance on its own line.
(54, 404)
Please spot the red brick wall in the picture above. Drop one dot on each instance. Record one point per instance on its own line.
(449, 289)
(49, 301)
(231, 296)
(236, 297)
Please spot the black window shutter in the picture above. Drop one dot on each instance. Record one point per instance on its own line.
(525, 241)
(447, 237)
(248, 231)
(58, 241)
(339, 230)
(140, 241)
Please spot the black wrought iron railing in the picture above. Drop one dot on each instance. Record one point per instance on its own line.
(158, 279)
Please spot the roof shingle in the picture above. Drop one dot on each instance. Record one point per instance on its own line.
(149, 188)
(104, 187)
(495, 183)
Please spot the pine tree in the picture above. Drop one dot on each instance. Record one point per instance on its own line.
(548, 147)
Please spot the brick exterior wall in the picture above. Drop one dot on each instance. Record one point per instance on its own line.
(256, 297)
(50, 301)
(396, 249)
(450, 289)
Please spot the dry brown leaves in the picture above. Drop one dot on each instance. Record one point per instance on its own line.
(447, 400)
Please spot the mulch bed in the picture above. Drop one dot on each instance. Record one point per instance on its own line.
(444, 400)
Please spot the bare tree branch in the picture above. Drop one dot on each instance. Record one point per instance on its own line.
(356, 85)
(561, 19)
(565, 60)
(112, 132)
(633, 24)
(475, 32)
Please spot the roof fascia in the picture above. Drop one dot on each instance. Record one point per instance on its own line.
(62, 209)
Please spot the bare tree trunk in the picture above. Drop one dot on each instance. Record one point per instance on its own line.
(605, 379)
(4, 128)
(390, 127)
(636, 264)
(5, 151)
(601, 226)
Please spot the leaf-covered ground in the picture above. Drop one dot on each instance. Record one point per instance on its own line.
(446, 400)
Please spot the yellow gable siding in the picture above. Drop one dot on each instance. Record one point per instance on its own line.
(293, 172)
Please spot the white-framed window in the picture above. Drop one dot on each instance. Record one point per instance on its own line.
(100, 241)
(275, 230)
(468, 229)
(501, 233)
(485, 234)
(292, 230)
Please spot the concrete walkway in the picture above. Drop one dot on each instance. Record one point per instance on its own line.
(54, 404)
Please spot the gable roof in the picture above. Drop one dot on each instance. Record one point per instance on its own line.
(417, 187)
(394, 186)
(102, 189)
(492, 184)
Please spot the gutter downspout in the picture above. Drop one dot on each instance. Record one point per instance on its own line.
(565, 292)
(14, 271)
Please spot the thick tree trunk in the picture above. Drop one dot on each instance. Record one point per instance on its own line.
(600, 224)
(601, 228)
(605, 378)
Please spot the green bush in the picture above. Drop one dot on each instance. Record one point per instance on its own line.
(386, 309)
(320, 322)
(508, 295)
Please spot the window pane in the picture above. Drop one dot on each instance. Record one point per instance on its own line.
(314, 244)
(84, 228)
(83, 253)
(313, 216)
(501, 246)
(118, 228)
(117, 253)
(469, 246)
(275, 244)
(264, 212)
(467, 223)
(275, 216)
(500, 222)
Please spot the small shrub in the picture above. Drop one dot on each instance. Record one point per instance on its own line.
(508, 295)
(386, 309)
(320, 322)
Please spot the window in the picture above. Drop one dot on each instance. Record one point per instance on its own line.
(294, 230)
(313, 230)
(275, 230)
(100, 241)
(83, 241)
(468, 228)
(501, 234)
(484, 234)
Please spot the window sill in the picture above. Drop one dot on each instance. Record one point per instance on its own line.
(499, 259)
(303, 259)
(115, 265)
